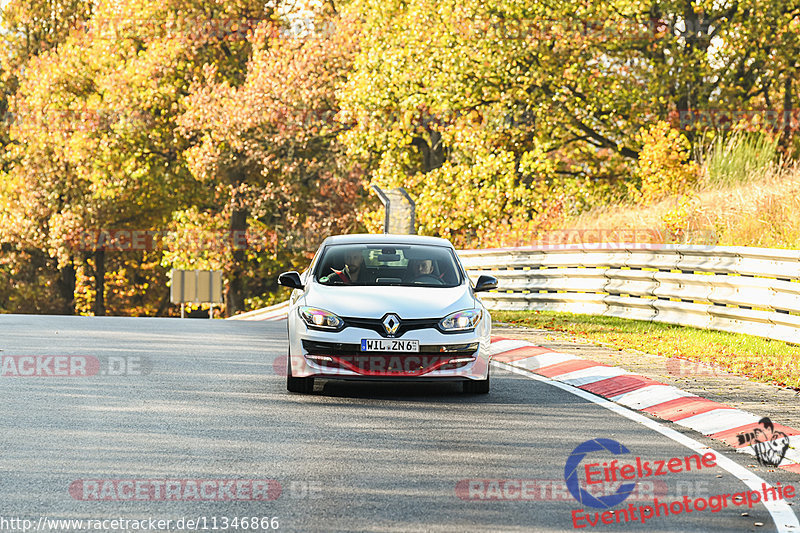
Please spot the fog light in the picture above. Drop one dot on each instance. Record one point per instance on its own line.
(320, 358)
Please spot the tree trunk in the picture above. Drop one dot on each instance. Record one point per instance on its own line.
(164, 305)
(787, 110)
(234, 295)
(66, 288)
(432, 152)
(100, 283)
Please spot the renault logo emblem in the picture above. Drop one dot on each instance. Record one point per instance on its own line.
(391, 323)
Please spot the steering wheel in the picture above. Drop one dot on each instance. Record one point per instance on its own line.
(428, 280)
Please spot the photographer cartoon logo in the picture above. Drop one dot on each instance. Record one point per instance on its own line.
(770, 445)
(573, 482)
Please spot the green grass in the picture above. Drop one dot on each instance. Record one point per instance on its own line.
(734, 158)
(760, 359)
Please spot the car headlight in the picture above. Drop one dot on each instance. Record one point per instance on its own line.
(461, 320)
(320, 318)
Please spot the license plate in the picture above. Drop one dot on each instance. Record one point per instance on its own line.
(389, 345)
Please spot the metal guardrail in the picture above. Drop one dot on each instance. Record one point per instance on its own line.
(727, 288)
(273, 312)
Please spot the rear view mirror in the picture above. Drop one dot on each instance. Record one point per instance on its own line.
(290, 279)
(486, 283)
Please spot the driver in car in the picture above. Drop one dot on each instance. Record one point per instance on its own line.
(353, 261)
(422, 267)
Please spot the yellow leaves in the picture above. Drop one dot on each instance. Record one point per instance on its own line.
(664, 166)
(536, 163)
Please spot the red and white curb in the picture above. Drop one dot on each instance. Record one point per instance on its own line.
(714, 420)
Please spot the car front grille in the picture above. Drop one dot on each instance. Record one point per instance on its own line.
(376, 325)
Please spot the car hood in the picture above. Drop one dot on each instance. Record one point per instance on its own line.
(375, 302)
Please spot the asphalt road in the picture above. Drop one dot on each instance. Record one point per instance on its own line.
(204, 402)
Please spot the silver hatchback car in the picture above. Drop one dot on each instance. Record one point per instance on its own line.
(387, 307)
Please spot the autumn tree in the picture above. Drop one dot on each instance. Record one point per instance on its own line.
(95, 141)
(30, 28)
(272, 142)
(448, 90)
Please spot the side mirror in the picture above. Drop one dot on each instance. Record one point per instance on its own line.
(290, 279)
(486, 283)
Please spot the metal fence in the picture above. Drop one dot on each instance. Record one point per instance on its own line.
(738, 289)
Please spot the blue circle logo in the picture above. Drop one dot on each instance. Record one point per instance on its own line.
(571, 474)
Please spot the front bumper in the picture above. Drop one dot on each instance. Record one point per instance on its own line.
(337, 355)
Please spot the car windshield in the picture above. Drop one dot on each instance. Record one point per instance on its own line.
(407, 265)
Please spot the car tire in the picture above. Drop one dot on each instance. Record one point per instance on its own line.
(300, 385)
(477, 386)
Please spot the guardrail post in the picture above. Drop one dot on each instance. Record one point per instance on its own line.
(399, 211)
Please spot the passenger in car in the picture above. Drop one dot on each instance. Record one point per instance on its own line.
(423, 271)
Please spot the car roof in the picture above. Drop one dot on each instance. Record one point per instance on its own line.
(385, 238)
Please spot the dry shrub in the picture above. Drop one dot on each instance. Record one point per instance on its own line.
(761, 212)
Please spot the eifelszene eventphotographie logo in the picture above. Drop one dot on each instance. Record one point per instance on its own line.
(573, 480)
(615, 471)
(769, 444)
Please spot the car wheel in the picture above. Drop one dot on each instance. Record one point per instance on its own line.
(477, 387)
(301, 385)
